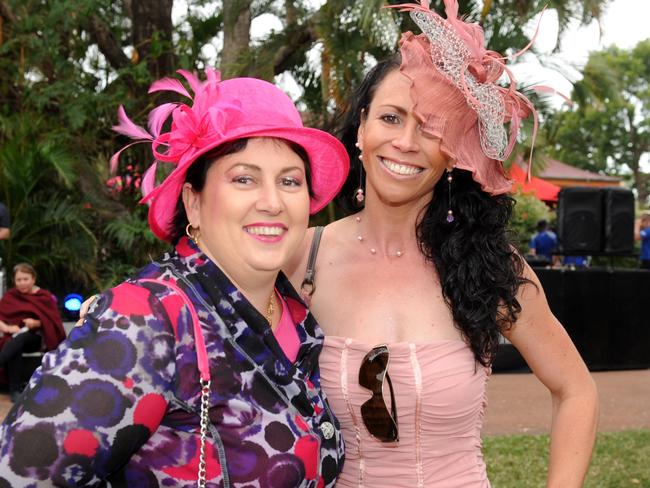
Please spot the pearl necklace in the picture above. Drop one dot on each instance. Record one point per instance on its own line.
(373, 250)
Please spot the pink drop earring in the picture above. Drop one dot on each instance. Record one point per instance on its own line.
(359, 194)
(450, 212)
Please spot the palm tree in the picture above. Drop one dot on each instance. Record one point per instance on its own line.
(49, 224)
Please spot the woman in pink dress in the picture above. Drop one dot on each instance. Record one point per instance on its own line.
(414, 290)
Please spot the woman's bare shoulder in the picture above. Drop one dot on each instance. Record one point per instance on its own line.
(332, 234)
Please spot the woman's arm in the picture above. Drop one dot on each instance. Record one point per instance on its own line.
(551, 355)
(96, 399)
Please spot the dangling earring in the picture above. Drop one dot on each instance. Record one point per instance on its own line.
(450, 212)
(359, 194)
(189, 232)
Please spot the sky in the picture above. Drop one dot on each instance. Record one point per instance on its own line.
(624, 24)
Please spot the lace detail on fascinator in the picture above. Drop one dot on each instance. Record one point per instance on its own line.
(453, 50)
(450, 55)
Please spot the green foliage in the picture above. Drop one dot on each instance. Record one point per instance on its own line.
(619, 460)
(66, 66)
(131, 234)
(609, 126)
(528, 211)
(60, 96)
(49, 223)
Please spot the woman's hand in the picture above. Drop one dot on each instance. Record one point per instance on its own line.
(8, 329)
(84, 309)
(32, 324)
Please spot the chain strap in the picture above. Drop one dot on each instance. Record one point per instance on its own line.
(205, 412)
(202, 363)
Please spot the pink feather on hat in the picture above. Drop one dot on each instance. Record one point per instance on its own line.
(219, 112)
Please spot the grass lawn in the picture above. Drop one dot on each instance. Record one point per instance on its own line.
(620, 460)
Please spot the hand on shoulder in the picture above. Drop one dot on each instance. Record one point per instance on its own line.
(84, 309)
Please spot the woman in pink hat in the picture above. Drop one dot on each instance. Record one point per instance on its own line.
(203, 368)
(414, 290)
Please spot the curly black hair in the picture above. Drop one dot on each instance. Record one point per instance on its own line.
(480, 271)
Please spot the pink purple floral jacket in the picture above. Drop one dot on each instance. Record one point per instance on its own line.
(117, 403)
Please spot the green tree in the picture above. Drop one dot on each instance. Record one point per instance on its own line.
(63, 72)
(65, 66)
(528, 211)
(50, 226)
(608, 129)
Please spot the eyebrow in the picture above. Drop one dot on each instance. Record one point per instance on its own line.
(397, 108)
(402, 111)
(255, 167)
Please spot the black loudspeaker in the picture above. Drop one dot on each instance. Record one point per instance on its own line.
(588, 313)
(537, 261)
(629, 342)
(579, 220)
(619, 220)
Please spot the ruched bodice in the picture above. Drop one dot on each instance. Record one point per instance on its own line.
(440, 394)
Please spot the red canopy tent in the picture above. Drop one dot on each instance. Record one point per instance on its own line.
(545, 191)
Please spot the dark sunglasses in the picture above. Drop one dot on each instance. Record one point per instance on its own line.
(381, 423)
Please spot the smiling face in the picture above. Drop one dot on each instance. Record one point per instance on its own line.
(253, 211)
(402, 162)
(24, 281)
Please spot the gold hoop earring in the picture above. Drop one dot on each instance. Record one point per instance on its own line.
(189, 233)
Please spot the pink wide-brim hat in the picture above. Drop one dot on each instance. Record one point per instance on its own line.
(224, 111)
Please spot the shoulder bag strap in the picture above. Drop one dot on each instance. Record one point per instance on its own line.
(308, 286)
(204, 372)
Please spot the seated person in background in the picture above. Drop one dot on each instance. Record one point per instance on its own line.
(29, 321)
(544, 241)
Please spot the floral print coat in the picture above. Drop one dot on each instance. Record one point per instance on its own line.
(117, 403)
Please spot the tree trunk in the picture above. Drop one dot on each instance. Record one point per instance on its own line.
(640, 148)
(152, 35)
(640, 178)
(236, 37)
(7, 13)
(108, 45)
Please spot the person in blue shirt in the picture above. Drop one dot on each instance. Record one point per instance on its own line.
(644, 236)
(544, 241)
(576, 261)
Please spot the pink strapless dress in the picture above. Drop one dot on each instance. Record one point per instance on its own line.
(440, 395)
